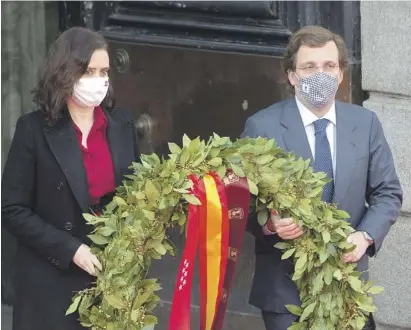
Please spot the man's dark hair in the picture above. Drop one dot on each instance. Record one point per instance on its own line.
(313, 36)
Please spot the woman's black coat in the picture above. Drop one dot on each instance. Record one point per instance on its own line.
(44, 193)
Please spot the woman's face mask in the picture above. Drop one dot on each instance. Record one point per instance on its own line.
(90, 91)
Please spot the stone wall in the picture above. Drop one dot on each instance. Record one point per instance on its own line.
(386, 73)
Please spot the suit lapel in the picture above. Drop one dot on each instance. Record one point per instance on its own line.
(295, 137)
(63, 143)
(346, 152)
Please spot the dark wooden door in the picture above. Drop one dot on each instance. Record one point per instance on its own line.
(202, 67)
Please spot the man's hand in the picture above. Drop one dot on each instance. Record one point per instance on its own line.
(361, 244)
(86, 260)
(285, 228)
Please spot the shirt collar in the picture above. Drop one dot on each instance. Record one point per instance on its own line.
(308, 117)
(100, 120)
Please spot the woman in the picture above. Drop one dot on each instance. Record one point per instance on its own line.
(65, 159)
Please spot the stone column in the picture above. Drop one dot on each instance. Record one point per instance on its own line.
(386, 74)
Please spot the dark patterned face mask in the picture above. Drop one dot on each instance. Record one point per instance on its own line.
(319, 89)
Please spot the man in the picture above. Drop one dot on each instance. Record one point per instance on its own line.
(343, 140)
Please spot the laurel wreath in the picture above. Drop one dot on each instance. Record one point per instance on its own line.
(132, 231)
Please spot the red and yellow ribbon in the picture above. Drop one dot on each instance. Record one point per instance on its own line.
(208, 228)
(213, 249)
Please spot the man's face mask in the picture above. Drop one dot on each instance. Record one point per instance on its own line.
(90, 92)
(318, 89)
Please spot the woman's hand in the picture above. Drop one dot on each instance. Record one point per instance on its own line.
(86, 260)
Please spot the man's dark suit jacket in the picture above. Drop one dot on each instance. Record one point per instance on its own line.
(366, 186)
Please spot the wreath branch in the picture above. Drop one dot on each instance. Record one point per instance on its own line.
(133, 230)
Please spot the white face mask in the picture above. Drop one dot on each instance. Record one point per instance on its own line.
(90, 92)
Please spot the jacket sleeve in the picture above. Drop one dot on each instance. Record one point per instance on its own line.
(253, 227)
(18, 195)
(384, 193)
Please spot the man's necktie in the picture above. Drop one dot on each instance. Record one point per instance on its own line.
(323, 160)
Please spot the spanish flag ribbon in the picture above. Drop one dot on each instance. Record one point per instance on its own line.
(209, 230)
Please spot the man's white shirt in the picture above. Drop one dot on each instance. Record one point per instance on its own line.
(309, 118)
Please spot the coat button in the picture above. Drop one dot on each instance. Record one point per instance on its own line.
(68, 226)
(60, 186)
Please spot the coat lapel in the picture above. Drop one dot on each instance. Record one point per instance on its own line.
(120, 140)
(63, 143)
(346, 152)
(295, 138)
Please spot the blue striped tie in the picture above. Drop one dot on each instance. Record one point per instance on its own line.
(323, 160)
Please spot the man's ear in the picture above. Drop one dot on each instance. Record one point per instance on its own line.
(292, 78)
(340, 77)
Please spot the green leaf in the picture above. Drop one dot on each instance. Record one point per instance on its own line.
(151, 192)
(191, 199)
(184, 157)
(74, 305)
(337, 275)
(174, 148)
(318, 283)
(262, 217)
(98, 239)
(298, 326)
(139, 194)
(264, 159)
(114, 301)
(119, 201)
(328, 276)
(284, 200)
(181, 191)
(308, 311)
(252, 187)
(282, 245)
(301, 263)
(367, 308)
(326, 236)
(149, 215)
(295, 310)
(93, 219)
(375, 290)
(160, 249)
(149, 326)
(110, 326)
(340, 232)
(324, 254)
(215, 162)
(150, 319)
(237, 170)
(355, 283)
(194, 146)
(221, 171)
(186, 140)
(287, 254)
(106, 231)
(342, 214)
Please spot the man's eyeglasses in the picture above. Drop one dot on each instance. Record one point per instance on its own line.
(310, 68)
